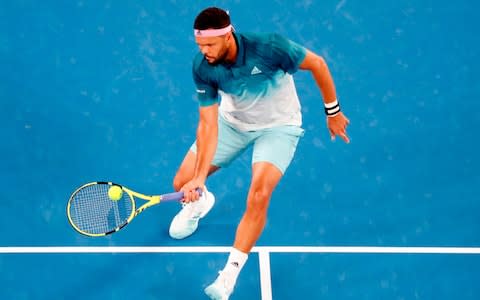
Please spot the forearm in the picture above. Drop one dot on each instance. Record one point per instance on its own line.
(207, 136)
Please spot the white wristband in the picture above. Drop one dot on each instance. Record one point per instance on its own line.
(332, 108)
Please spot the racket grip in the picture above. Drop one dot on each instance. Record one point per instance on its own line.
(177, 196)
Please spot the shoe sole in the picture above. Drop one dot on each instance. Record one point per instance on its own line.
(212, 293)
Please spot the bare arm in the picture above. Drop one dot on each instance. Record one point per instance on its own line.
(321, 74)
(207, 137)
(337, 124)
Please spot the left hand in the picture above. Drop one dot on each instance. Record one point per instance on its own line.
(337, 125)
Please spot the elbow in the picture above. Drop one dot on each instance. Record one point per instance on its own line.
(313, 62)
(320, 62)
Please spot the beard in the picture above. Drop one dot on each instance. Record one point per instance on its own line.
(220, 59)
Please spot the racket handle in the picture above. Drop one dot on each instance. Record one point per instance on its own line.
(177, 196)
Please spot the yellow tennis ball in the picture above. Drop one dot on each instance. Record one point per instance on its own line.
(115, 192)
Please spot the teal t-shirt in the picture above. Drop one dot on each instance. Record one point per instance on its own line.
(257, 91)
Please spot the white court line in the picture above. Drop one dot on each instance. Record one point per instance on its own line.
(263, 253)
(224, 249)
(265, 278)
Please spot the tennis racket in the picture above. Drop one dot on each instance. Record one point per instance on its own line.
(92, 212)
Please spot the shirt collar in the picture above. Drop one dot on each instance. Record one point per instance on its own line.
(240, 60)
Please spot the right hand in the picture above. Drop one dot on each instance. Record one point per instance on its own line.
(190, 190)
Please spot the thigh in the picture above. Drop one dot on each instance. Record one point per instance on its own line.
(265, 177)
(186, 170)
(277, 146)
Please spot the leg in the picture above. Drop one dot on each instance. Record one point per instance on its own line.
(272, 153)
(185, 172)
(186, 221)
(230, 145)
(265, 178)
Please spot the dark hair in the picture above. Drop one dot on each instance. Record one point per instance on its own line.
(211, 18)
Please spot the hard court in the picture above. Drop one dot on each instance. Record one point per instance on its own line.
(102, 90)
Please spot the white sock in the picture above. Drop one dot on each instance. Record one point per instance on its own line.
(236, 261)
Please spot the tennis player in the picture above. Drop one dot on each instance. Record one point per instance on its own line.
(247, 97)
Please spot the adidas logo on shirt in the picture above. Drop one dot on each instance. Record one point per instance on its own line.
(255, 71)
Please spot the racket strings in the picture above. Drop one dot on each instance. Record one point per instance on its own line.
(92, 210)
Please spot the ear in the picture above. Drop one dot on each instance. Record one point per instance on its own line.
(229, 35)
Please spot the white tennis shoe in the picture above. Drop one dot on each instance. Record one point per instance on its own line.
(221, 288)
(185, 222)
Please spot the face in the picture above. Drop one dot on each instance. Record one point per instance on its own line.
(215, 49)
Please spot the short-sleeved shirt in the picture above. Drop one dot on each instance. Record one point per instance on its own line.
(257, 91)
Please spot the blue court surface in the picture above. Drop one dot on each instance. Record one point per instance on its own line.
(102, 90)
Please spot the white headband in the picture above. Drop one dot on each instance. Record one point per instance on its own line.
(212, 32)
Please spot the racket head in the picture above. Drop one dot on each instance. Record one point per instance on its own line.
(91, 212)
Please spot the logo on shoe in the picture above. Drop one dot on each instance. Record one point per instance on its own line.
(235, 264)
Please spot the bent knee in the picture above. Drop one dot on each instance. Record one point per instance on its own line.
(259, 200)
(178, 182)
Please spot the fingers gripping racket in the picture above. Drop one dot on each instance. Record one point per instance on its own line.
(101, 208)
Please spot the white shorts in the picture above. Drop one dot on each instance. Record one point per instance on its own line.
(275, 145)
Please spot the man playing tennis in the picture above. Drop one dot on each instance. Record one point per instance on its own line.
(247, 98)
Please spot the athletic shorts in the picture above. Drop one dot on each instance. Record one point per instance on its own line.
(275, 145)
